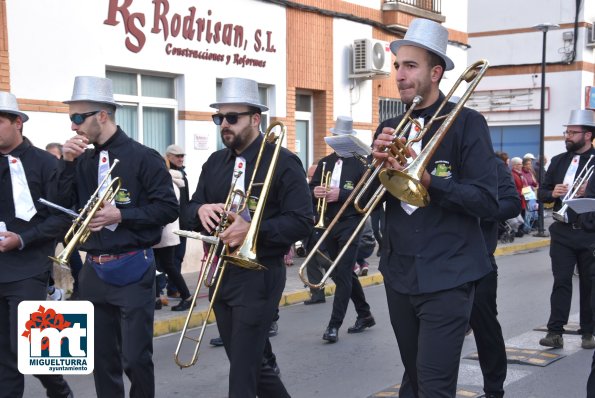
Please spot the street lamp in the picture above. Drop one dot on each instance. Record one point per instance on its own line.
(543, 27)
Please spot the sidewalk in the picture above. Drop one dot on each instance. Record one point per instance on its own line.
(167, 321)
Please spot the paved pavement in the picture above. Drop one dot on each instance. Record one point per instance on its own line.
(167, 321)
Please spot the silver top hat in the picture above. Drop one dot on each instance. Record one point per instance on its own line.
(93, 89)
(426, 34)
(343, 125)
(581, 117)
(235, 90)
(8, 104)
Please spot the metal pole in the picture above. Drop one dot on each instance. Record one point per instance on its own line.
(540, 228)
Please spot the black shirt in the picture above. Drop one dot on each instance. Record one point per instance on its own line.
(288, 213)
(441, 246)
(38, 234)
(352, 171)
(146, 199)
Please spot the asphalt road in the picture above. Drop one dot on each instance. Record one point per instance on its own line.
(359, 366)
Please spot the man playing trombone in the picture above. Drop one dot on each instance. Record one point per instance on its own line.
(344, 174)
(247, 299)
(432, 255)
(566, 178)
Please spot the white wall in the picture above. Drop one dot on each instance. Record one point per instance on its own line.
(50, 43)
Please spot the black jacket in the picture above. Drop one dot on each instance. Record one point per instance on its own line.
(40, 233)
(146, 199)
(441, 246)
(288, 213)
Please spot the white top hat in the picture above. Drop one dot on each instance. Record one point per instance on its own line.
(93, 89)
(8, 104)
(343, 125)
(235, 90)
(426, 34)
(581, 117)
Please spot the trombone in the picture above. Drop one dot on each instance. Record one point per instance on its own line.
(406, 184)
(583, 176)
(399, 151)
(245, 256)
(321, 204)
(79, 231)
(361, 189)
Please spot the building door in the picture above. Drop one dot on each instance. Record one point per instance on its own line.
(303, 129)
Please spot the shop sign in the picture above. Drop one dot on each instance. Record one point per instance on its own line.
(193, 27)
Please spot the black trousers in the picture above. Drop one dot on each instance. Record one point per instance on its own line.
(430, 329)
(245, 306)
(347, 284)
(12, 382)
(164, 259)
(123, 333)
(488, 334)
(570, 247)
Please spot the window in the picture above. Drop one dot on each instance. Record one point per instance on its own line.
(264, 117)
(389, 108)
(149, 107)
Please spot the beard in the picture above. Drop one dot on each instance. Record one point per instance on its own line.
(235, 141)
(575, 146)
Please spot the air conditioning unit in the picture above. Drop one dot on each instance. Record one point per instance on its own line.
(372, 57)
(591, 36)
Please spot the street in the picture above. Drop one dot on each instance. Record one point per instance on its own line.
(363, 364)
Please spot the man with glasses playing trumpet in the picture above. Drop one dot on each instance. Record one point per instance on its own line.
(247, 299)
(571, 236)
(433, 254)
(118, 275)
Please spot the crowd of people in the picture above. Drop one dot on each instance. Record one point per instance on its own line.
(435, 293)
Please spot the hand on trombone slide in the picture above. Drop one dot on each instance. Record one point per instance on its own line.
(386, 140)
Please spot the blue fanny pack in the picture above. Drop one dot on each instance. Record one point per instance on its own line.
(125, 270)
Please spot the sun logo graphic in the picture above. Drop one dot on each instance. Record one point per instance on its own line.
(56, 337)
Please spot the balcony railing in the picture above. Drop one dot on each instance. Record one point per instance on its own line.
(427, 5)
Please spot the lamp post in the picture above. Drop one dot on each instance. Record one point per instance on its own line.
(543, 27)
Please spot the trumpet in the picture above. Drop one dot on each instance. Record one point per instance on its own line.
(322, 203)
(406, 184)
(79, 231)
(245, 256)
(584, 176)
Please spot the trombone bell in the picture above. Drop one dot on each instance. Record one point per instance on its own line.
(405, 187)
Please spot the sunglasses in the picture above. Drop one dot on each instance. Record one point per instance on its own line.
(79, 118)
(232, 117)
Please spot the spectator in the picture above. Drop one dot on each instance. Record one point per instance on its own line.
(175, 155)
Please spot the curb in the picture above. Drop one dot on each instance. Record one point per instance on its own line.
(175, 324)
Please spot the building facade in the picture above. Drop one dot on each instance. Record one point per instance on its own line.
(509, 96)
(167, 59)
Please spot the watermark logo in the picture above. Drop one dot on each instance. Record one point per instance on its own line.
(56, 337)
